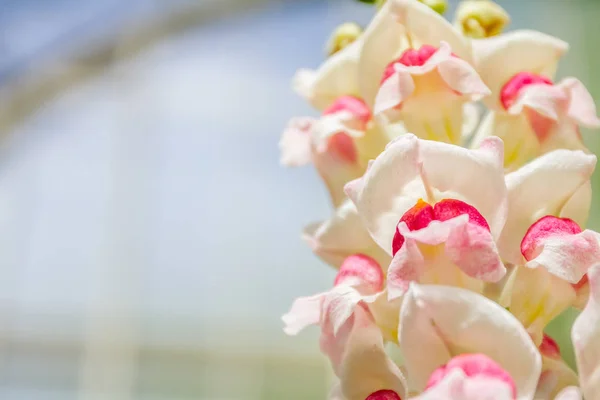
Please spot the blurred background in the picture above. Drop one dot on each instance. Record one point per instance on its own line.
(149, 239)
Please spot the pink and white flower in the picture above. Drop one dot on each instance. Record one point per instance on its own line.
(438, 221)
(339, 144)
(439, 323)
(350, 336)
(424, 79)
(531, 113)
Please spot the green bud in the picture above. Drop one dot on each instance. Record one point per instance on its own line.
(481, 18)
(342, 36)
(439, 6)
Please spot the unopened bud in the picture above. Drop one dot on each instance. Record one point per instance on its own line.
(481, 18)
(439, 6)
(342, 36)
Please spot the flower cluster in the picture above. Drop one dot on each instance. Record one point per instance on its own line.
(457, 236)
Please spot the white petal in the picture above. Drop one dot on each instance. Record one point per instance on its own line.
(581, 105)
(577, 207)
(344, 234)
(384, 39)
(374, 196)
(428, 27)
(520, 142)
(473, 176)
(586, 339)
(305, 311)
(554, 177)
(437, 322)
(337, 76)
(365, 366)
(537, 298)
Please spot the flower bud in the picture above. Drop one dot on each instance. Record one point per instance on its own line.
(439, 6)
(342, 36)
(481, 18)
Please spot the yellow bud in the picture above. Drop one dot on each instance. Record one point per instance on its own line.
(439, 6)
(342, 36)
(481, 18)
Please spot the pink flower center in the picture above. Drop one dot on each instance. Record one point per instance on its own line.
(542, 229)
(511, 90)
(473, 365)
(384, 395)
(410, 58)
(355, 106)
(422, 213)
(550, 348)
(363, 267)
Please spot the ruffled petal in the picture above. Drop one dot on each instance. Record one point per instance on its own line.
(468, 251)
(559, 246)
(582, 108)
(305, 311)
(437, 322)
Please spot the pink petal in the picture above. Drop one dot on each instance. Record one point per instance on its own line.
(559, 245)
(554, 177)
(305, 311)
(581, 105)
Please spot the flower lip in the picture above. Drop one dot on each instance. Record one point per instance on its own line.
(354, 105)
(511, 90)
(363, 268)
(543, 228)
(410, 58)
(473, 365)
(420, 215)
(550, 348)
(384, 395)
